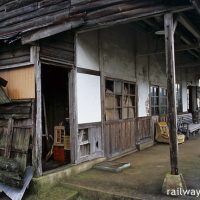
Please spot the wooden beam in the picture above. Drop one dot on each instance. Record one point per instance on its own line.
(189, 26)
(196, 5)
(188, 65)
(37, 136)
(187, 41)
(135, 15)
(171, 91)
(178, 49)
(51, 30)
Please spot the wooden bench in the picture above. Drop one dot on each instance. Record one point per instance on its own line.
(186, 125)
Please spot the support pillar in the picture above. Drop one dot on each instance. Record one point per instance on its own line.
(171, 91)
(173, 180)
(37, 135)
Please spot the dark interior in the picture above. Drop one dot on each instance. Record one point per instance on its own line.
(55, 112)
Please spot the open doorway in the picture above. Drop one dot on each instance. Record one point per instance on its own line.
(55, 117)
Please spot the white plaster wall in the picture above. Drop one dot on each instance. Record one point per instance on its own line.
(184, 95)
(143, 98)
(157, 71)
(142, 72)
(117, 52)
(88, 98)
(87, 50)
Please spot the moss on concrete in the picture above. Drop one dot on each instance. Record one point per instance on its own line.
(56, 193)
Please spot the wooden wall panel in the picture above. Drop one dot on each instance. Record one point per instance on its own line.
(14, 55)
(20, 131)
(119, 137)
(21, 82)
(58, 50)
(144, 128)
(89, 142)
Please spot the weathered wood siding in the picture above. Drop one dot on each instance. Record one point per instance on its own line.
(119, 137)
(90, 144)
(144, 128)
(47, 17)
(21, 82)
(58, 50)
(15, 136)
(14, 56)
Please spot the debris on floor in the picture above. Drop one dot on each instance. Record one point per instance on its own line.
(18, 193)
(112, 166)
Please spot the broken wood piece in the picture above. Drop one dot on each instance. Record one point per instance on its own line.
(16, 193)
(13, 179)
(8, 164)
(3, 82)
(9, 138)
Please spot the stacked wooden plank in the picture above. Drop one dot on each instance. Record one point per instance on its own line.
(14, 54)
(16, 130)
(19, 16)
(10, 173)
(60, 48)
(47, 17)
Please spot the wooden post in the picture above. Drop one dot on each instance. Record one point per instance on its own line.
(171, 90)
(73, 115)
(102, 83)
(37, 136)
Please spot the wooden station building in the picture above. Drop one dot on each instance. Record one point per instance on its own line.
(98, 69)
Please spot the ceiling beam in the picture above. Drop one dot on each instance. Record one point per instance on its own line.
(187, 41)
(188, 65)
(177, 49)
(189, 26)
(196, 5)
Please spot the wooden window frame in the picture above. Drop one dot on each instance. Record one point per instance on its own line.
(129, 95)
(159, 106)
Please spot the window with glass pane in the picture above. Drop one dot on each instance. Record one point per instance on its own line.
(158, 100)
(154, 100)
(120, 100)
(163, 101)
(178, 98)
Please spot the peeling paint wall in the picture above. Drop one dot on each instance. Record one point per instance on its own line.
(117, 52)
(87, 50)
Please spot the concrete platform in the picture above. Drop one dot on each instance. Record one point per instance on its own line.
(144, 178)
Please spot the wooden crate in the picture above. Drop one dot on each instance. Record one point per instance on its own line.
(59, 134)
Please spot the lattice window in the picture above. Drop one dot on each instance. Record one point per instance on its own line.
(120, 100)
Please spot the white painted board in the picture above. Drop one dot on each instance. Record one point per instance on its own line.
(88, 98)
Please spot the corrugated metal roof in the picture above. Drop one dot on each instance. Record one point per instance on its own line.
(3, 97)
